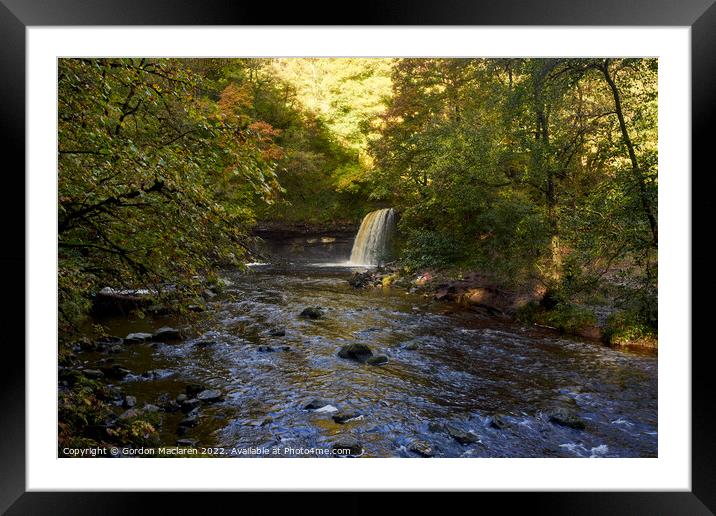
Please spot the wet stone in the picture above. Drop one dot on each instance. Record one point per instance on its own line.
(134, 338)
(460, 435)
(190, 405)
(345, 417)
(189, 421)
(312, 312)
(278, 332)
(166, 334)
(189, 443)
(205, 343)
(115, 372)
(563, 416)
(422, 448)
(356, 351)
(377, 361)
(129, 401)
(316, 404)
(498, 422)
(210, 396)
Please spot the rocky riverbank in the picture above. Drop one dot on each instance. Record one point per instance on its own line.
(482, 295)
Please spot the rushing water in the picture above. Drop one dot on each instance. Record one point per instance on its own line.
(444, 368)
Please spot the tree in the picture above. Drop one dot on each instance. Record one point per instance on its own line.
(145, 160)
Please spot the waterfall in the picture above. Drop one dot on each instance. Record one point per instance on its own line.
(373, 239)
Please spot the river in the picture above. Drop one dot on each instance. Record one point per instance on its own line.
(447, 372)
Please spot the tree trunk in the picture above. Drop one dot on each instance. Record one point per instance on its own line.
(638, 174)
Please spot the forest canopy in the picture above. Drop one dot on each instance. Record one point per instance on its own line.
(535, 171)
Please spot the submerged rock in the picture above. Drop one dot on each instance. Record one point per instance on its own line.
(210, 396)
(278, 332)
(166, 334)
(564, 416)
(460, 435)
(134, 338)
(317, 404)
(312, 312)
(189, 405)
(345, 417)
(377, 361)
(498, 422)
(356, 351)
(190, 420)
(422, 448)
(115, 372)
(327, 408)
(204, 343)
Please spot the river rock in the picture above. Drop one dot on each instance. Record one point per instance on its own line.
(316, 404)
(209, 396)
(564, 416)
(377, 361)
(93, 373)
(171, 406)
(135, 338)
(189, 421)
(150, 408)
(422, 448)
(312, 312)
(205, 343)
(361, 279)
(347, 447)
(278, 332)
(181, 398)
(189, 405)
(129, 401)
(266, 349)
(166, 334)
(460, 435)
(498, 422)
(189, 443)
(115, 371)
(355, 351)
(345, 417)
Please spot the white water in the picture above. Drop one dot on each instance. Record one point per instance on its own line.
(373, 238)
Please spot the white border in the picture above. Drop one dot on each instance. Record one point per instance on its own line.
(670, 471)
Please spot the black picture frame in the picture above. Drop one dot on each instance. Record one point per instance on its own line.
(17, 15)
